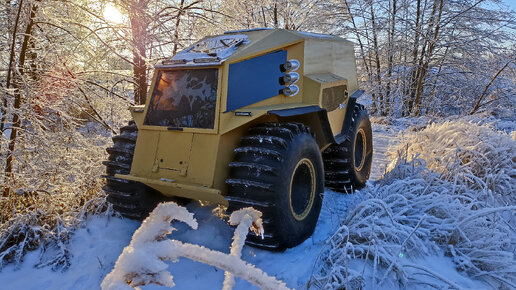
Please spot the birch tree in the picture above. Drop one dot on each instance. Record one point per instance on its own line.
(421, 54)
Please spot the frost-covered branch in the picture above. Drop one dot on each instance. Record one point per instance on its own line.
(244, 219)
(142, 262)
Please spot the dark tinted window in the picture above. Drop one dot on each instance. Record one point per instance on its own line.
(184, 98)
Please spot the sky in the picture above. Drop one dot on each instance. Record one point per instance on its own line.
(510, 3)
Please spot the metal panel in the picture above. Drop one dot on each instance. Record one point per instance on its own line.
(173, 154)
(295, 111)
(333, 97)
(255, 79)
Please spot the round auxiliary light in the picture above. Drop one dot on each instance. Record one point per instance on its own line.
(290, 91)
(290, 78)
(291, 65)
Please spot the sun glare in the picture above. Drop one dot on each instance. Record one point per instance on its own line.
(112, 14)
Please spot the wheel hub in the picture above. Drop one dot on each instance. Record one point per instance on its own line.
(360, 149)
(302, 189)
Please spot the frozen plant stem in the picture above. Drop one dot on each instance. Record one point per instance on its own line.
(250, 218)
(141, 263)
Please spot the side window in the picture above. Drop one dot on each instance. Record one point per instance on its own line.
(184, 98)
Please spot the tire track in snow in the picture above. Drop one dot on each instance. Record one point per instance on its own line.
(383, 137)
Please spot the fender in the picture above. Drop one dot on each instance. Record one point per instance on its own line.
(314, 117)
(341, 137)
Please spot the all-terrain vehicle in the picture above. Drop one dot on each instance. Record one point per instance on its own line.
(264, 118)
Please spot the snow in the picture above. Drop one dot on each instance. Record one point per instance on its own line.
(446, 182)
(316, 35)
(223, 46)
(95, 249)
(96, 246)
(142, 262)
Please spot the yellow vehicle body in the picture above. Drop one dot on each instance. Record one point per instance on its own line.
(193, 162)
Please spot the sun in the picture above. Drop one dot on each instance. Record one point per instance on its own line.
(112, 14)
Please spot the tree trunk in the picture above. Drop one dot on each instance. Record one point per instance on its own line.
(435, 24)
(12, 53)
(407, 107)
(275, 12)
(17, 95)
(479, 101)
(178, 22)
(390, 58)
(139, 27)
(377, 59)
(362, 52)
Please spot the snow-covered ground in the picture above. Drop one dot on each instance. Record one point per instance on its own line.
(98, 244)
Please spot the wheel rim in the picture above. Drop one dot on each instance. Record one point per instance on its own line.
(360, 150)
(302, 189)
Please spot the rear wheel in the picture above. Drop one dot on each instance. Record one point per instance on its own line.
(348, 165)
(278, 170)
(131, 199)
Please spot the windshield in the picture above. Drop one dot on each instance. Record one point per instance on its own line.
(184, 98)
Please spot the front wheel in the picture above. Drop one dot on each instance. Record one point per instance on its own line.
(278, 170)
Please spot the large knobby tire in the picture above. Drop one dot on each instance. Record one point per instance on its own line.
(348, 165)
(131, 199)
(278, 170)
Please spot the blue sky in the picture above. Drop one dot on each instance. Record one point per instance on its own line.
(511, 3)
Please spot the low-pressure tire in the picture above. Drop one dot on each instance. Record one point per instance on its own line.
(348, 165)
(131, 199)
(278, 170)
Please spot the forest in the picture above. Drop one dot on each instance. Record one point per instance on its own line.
(70, 69)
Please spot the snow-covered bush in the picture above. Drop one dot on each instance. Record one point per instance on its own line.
(466, 153)
(420, 208)
(45, 221)
(55, 180)
(56, 183)
(142, 262)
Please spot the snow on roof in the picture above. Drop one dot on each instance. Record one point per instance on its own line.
(247, 30)
(211, 50)
(221, 46)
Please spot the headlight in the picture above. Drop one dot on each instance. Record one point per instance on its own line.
(290, 78)
(291, 65)
(290, 91)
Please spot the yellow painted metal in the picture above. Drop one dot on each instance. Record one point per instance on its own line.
(331, 56)
(316, 83)
(173, 153)
(336, 119)
(202, 162)
(169, 187)
(137, 113)
(144, 153)
(194, 162)
(265, 41)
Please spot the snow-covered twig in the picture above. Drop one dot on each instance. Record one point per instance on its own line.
(244, 219)
(434, 274)
(141, 263)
